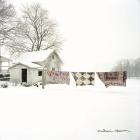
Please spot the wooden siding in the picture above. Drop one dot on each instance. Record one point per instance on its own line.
(32, 74)
(52, 61)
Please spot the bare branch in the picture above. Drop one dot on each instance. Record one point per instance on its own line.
(37, 29)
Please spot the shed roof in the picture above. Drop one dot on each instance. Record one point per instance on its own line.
(27, 64)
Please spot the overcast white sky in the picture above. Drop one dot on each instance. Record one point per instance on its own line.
(96, 32)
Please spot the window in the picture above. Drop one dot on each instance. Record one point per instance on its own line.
(53, 69)
(39, 73)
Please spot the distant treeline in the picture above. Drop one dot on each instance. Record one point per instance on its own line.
(131, 66)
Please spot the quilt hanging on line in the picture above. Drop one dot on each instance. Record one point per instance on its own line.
(57, 77)
(84, 78)
(113, 78)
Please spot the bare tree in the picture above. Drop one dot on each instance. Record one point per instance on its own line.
(7, 14)
(137, 67)
(118, 66)
(36, 30)
(132, 67)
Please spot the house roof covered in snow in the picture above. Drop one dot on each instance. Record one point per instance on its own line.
(37, 56)
(4, 59)
(27, 64)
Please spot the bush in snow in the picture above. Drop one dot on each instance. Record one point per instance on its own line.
(38, 84)
(25, 84)
(4, 85)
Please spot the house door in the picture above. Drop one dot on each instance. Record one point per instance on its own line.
(24, 75)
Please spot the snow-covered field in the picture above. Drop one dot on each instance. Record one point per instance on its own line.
(62, 112)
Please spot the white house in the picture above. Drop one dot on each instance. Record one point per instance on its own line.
(46, 58)
(28, 66)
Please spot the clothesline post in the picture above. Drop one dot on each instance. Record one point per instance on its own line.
(43, 78)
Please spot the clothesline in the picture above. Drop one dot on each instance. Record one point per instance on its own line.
(117, 78)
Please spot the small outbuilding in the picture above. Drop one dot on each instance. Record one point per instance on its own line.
(25, 72)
